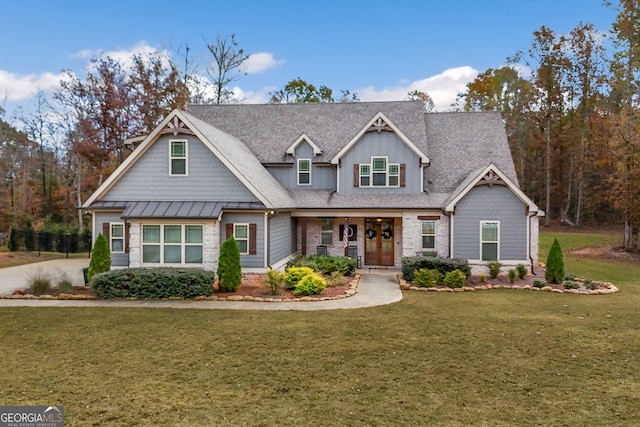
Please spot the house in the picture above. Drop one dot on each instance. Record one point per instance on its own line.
(286, 179)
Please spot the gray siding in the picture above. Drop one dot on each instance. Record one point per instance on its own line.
(323, 177)
(248, 261)
(117, 259)
(280, 240)
(490, 203)
(380, 144)
(207, 180)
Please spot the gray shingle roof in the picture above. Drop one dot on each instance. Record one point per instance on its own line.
(324, 199)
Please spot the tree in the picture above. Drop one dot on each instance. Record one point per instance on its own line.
(554, 272)
(227, 59)
(100, 257)
(298, 90)
(417, 95)
(229, 269)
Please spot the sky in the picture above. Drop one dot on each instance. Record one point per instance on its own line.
(380, 50)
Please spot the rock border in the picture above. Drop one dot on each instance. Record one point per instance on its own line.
(353, 289)
(606, 288)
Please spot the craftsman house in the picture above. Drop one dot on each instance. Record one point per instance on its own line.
(286, 179)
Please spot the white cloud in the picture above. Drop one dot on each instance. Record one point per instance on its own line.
(250, 97)
(443, 88)
(14, 87)
(259, 62)
(123, 56)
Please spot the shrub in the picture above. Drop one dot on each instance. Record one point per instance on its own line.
(229, 269)
(483, 278)
(537, 283)
(274, 280)
(555, 264)
(590, 284)
(570, 284)
(455, 279)
(325, 264)
(39, 283)
(335, 279)
(512, 275)
(64, 285)
(13, 245)
(100, 257)
(295, 274)
(444, 265)
(153, 283)
(427, 278)
(494, 269)
(311, 284)
(522, 271)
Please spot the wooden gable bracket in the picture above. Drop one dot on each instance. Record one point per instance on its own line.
(491, 179)
(175, 127)
(379, 126)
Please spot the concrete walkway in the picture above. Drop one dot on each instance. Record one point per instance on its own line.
(377, 287)
(12, 278)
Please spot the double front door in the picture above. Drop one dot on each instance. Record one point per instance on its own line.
(378, 242)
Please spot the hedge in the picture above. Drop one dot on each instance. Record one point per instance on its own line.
(153, 283)
(444, 265)
(325, 264)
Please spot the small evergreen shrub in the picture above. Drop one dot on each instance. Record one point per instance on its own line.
(555, 264)
(483, 278)
(274, 280)
(537, 283)
(444, 265)
(569, 276)
(494, 269)
(295, 274)
(522, 271)
(590, 284)
(153, 283)
(13, 245)
(512, 275)
(570, 284)
(229, 268)
(455, 279)
(325, 264)
(427, 278)
(100, 257)
(311, 284)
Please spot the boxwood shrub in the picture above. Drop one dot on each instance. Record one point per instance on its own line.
(153, 283)
(444, 265)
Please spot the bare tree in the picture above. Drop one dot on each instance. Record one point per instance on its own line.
(225, 68)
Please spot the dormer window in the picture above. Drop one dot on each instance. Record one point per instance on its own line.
(178, 158)
(304, 171)
(379, 173)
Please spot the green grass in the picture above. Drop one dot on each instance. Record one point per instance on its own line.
(491, 358)
(13, 259)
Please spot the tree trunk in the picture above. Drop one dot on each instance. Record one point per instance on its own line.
(548, 174)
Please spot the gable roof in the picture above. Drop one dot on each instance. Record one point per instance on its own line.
(476, 177)
(230, 150)
(304, 138)
(269, 130)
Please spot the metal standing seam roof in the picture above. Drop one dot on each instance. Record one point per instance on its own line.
(182, 210)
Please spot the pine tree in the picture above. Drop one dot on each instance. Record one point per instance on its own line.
(100, 257)
(229, 269)
(14, 244)
(555, 264)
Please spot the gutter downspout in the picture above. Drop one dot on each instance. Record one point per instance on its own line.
(450, 215)
(531, 215)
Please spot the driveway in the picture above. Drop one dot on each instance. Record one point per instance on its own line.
(12, 278)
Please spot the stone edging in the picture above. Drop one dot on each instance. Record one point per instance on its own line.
(606, 288)
(353, 288)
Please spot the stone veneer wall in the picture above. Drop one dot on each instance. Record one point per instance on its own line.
(412, 233)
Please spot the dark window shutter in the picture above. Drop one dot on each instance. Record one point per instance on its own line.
(106, 229)
(252, 239)
(356, 175)
(229, 230)
(403, 180)
(126, 237)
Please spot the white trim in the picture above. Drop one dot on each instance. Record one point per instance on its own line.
(183, 244)
(247, 238)
(490, 221)
(307, 172)
(423, 157)
(186, 157)
(292, 148)
(124, 230)
(266, 250)
(532, 207)
(387, 173)
(435, 234)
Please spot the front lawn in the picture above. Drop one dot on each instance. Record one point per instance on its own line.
(494, 358)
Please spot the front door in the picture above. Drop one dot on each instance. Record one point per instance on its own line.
(378, 242)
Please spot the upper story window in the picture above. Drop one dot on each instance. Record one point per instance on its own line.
(178, 158)
(304, 171)
(379, 173)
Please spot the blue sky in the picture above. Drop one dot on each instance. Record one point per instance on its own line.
(379, 49)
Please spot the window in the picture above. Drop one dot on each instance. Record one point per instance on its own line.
(171, 244)
(241, 234)
(178, 158)
(117, 237)
(304, 171)
(428, 235)
(379, 173)
(489, 240)
(327, 231)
